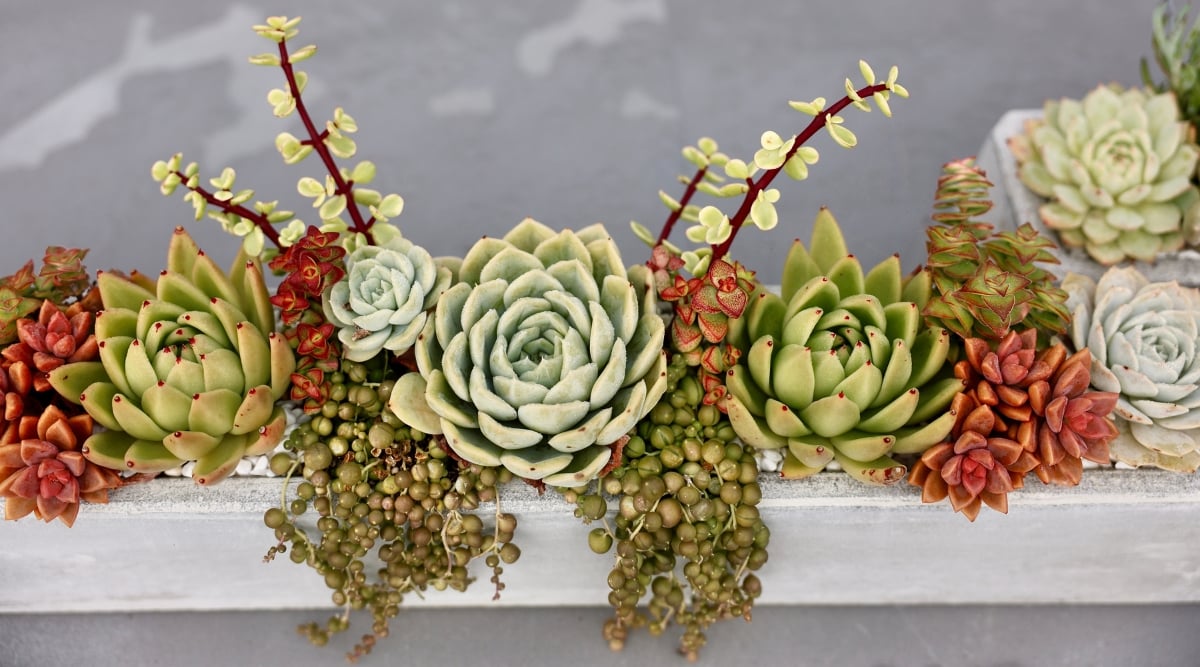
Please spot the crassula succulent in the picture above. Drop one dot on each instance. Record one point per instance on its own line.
(1143, 339)
(44, 473)
(382, 302)
(842, 366)
(188, 372)
(545, 353)
(1117, 167)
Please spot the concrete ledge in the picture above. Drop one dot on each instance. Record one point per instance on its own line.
(1016, 204)
(1121, 537)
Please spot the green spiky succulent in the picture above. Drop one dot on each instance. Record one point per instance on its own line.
(544, 354)
(189, 372)
(986, 283)
(842, 366)
(1117, 168)
(1177, 52)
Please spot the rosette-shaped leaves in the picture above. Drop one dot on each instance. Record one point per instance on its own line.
(1022, 411)
(543, 354)
(842, 367)
(190, 372)
(51, 340)
(1143, 339)
(1117, 167)
(382, 302)
(43, 472)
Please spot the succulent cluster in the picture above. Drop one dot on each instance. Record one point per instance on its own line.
(1143, 339)
(190, 371)
(428, 384)
(392, 507)
(842, 366)
(985, 283)
(1022, 410)
(541, 357)
(1118, 169)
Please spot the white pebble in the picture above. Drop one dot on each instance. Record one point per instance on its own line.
(173, 472)
(244, 467)
(261, 467)
(186, 469)
(769, 460)
(1124, 466)
(1091, 465)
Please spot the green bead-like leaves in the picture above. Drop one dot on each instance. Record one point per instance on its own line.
(543, 354)
(189, 372)
(841, 366)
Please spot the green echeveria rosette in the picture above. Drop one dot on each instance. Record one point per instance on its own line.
(382, 302)
(189, 372)
(1143, 337)
(842, 367)
(544, 353)
(1118, 169)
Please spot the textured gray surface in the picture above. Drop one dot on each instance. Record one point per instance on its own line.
(480, 113)
(804, 637)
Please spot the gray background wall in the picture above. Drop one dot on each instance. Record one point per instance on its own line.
(481, 113)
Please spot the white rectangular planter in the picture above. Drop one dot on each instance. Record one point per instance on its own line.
(1121, 537)
(1016, 204)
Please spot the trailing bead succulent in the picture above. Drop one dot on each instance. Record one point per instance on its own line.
(188, 372)
(842, 366)
(1118, 169)
(1143, 339)
(984, 282)
(541, 357)
(382, 302)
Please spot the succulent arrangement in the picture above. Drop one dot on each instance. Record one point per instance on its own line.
(397, 394)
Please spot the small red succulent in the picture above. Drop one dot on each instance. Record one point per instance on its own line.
(45, 472)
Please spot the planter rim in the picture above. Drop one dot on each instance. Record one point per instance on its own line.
(241, 495)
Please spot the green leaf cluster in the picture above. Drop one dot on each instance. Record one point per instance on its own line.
(62, 278)
(1177, 53)
(987, 282)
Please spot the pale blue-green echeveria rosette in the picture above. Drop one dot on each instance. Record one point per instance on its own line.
(1117, 168)
(188, 372)
(1143, 337)
(382, 302)
(544, 353)
(842, 366)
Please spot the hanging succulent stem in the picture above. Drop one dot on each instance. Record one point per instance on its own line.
(676, 213)
(317, 141)
(762, 182)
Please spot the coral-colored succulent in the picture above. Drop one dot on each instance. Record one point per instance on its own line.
(1075, 422)
(972, 470)
(53, 339)
(1022, 410)
(45, 472)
